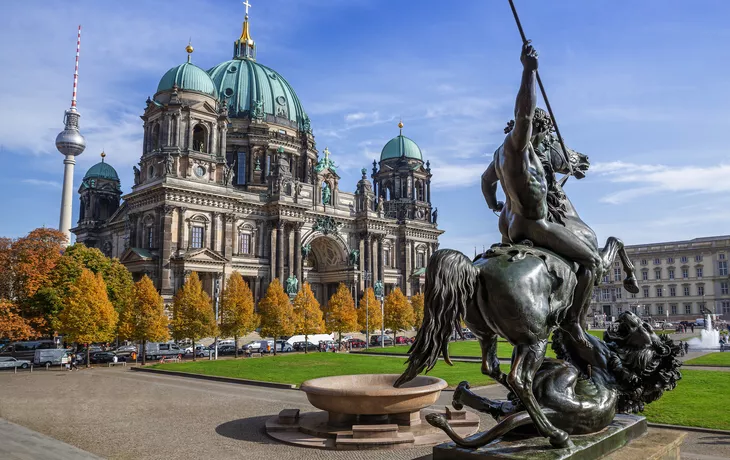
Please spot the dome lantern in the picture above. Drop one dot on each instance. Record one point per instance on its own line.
(245, 47)
(401, 147)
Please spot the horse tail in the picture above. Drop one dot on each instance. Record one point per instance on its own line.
(451, 281)
(504, 426)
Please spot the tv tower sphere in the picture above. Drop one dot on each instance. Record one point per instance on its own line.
(70, 141)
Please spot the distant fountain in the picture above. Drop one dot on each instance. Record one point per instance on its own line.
(709, 337)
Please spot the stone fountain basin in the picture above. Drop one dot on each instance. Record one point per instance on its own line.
(372, 394)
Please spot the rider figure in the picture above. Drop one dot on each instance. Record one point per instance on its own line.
(526, 214)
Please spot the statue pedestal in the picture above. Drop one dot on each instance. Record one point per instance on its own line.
(610, 443)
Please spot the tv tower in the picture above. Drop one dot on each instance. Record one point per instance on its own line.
(70, 143)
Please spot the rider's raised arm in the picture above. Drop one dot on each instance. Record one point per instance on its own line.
(489, 187)
(520, 135)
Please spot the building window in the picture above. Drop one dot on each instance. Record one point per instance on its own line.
(700, 290)
(619, 310)
(658, 274)
(686, 291)
(721, 256)
(670, 260)
(660, 309)
(688, 309)
(646, 292)
(617, 293)
(633, 296)
(420, 260)
(671, 273)
(150, 238)
(723, 287)
(199, 139)
(659, 291)
(244, 243)
(700, 306)
(657, 261)
(685, 273)
(156, 137)
(644, 262)
(605, 294)
(386, 257)
(606, 279)
(196, 239)
(684, 259)
(241, 168)
(699, 272)
(698, 258)
(725, 305)
(645, 275)
(634, 309)
(722, 267)
(617, 274)
(674, 309)
(672, 291)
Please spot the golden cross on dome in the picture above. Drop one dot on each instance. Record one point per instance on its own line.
(247, 5)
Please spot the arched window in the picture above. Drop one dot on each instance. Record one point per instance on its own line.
(199, 136)
(155, 137)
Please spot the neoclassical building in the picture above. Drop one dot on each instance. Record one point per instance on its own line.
(230, 179)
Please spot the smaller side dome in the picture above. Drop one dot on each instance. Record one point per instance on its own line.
(102, 170)
(188, 77)
(401, 146)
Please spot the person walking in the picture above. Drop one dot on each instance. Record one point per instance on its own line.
(73, 362)
(686, 348)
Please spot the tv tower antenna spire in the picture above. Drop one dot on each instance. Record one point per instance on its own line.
(70, 143)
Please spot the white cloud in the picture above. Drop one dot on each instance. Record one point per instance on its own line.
(358, 116)
(456, 175)
(42, 183)
(653, 179)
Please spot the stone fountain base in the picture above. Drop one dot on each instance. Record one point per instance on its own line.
(325, 430)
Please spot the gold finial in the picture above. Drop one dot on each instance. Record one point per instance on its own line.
(102, 156)
(245, 34)
(189, 49)
(400, 126)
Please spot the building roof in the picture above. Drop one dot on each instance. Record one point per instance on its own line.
(401, 146)
(102, 170)
(188, 77)
(246, 85)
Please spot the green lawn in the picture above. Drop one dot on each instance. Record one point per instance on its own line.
(697, 401)
(711, 359)
(295, 369)
(461, 348)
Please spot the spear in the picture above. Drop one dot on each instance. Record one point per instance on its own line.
(544, 96)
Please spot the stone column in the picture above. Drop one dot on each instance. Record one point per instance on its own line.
(381, 270)
(272, 251)
(298, 251)
(428, 191)
(290, 250)
(280, 250)
(165, 239)
(366, 255)
(181, 243)
(228, 238)
(214, 232)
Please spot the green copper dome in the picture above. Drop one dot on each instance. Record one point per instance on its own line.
(188, 77)
(256, 91)
(102, 171)
(401, 146)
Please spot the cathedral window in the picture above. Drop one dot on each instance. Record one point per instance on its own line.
(244, 243)
(241, 168)
(386, 257)
(196, 240)
(150, 238)
(420, 260)
(199, 136)
(156, 137)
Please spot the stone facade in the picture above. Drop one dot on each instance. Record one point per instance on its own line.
(676, 279)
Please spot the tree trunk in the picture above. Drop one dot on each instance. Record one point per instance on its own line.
(235, 344)
(306, 343)
(193, 349)
(144, 352)
(88, 356)
(394, 332)
(275, 336)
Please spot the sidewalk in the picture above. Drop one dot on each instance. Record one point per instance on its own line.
(20, 443)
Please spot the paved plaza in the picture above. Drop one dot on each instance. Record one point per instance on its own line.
(121, 414)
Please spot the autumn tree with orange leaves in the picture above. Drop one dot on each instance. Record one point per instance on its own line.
(276, 312)
(340, 315)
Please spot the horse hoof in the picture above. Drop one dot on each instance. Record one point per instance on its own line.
(561, 440)
(631, 285)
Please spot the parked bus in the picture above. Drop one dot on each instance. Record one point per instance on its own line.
(26, 350)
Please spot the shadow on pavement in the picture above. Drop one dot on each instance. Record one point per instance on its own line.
(714, 440)
(246, 429)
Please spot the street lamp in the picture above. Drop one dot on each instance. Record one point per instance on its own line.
(378, 288)
(366, 276)
(216, 296)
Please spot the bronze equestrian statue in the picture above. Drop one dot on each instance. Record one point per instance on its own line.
(538, 280)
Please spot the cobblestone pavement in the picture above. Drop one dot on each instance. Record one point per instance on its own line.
(120, 414)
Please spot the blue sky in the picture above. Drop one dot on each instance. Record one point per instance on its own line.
(638, 86)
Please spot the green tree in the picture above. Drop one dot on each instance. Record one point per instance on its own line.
(398, 312)
(88, 316)
(308, 315)
(238, 317)
(340, 315)
(192, 312)
(417, 304)
(145, 319)
(369, 308)
(276, 312)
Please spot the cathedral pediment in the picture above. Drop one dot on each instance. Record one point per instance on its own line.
(131, 255)
(204, 256)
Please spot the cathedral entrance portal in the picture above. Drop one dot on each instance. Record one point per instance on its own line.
(326, 266)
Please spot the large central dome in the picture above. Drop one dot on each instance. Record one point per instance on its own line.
(246, 84)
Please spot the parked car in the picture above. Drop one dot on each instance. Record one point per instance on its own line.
(26, 350)
(357, 343)
(376, 340)
(226, 350)
(201, 351)
(52, 357)
(126, 349)
(8, 362)
(156, 350)
(103, 357)
(299, 346)
(402, 340)
(259, 346)
(282, 346)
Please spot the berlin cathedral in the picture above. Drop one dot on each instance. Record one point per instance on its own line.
(230, 179)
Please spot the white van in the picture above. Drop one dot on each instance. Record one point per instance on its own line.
(52, 357)
(314, 338)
